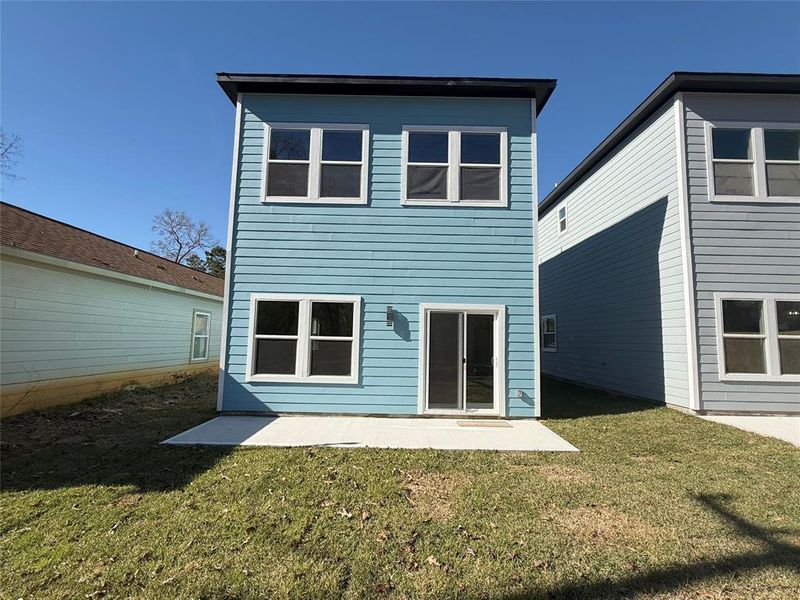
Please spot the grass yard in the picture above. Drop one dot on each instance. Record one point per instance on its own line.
(656, 504)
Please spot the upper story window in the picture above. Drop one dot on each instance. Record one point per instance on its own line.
(759, 338)
(315, 163)
(562, 220)
(753, 163)
(445, 166)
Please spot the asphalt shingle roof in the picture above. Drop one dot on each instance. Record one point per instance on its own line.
(20, 228)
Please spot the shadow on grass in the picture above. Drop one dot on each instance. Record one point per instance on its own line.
(565, 400)
(111, 440)
(775, 554)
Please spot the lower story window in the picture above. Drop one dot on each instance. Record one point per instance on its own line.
(201, 326)
(759, 337)
(549, 333)
(304, 339)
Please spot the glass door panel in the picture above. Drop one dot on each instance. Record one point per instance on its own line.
(445, 360)
(480, 362)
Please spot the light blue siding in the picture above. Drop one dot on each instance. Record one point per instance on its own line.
(384, 252)
(59, 323)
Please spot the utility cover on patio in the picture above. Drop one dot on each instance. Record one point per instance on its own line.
(375, 432)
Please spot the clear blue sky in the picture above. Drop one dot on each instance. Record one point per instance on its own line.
(121, 116)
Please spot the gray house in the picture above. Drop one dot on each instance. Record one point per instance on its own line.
(669, 259)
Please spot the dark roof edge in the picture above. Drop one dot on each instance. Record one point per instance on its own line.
(97, 235)
(679, 81)
(483, 87)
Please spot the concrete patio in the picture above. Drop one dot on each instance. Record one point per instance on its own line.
(375, 432)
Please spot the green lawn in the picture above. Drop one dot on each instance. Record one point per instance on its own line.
(656, 504)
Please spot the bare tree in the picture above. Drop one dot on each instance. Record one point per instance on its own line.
(10, 153)
(180, 236)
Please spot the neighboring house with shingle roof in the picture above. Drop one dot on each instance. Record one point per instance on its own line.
(83, 314)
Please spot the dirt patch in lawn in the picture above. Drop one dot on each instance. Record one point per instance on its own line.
(433, 495)
(605, 525)
(564, 474)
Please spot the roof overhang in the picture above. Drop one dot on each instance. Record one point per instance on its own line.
(725, 83)
(379, 85)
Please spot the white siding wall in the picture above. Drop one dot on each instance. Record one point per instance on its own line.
(614, 279)
(738, 247)
(61, 323)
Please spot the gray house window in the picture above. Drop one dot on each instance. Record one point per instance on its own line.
(749, 163)
(744, 335)
(788, 314)
(733, 162)
(562, 220)
(548, 333)
(759, 338)
(782, 155)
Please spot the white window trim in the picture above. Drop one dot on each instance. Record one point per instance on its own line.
(303, 337)
(758, 161)
(565, 219)
(555, 332)
(315, 163)
(770, 336)
(192, 358)
(454, 166)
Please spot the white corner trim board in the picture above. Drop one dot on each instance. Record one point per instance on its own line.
(687, 257)
(223, 353)
(537, 363)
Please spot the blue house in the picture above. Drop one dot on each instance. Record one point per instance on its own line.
(381, 237)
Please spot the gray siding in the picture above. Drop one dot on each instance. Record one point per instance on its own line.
(738, 247)
(615, 278)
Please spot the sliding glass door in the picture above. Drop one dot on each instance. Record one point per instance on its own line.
(461, 361)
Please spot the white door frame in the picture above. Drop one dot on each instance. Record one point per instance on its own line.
(499, 313)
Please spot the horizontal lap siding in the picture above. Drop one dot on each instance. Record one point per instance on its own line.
(614, 280)
(384, 252)
(738, 248)
(58, 323)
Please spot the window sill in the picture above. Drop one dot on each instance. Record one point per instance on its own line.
(459, 204)
(323, 379)
(756, 199)
(299, 200)
(197, 360)
(756, 378)
(553, 350)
